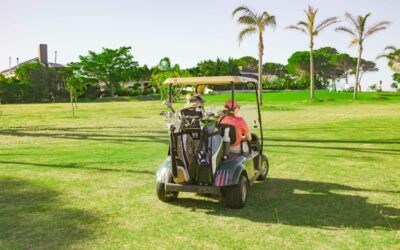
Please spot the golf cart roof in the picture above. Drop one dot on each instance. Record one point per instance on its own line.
(208, 80)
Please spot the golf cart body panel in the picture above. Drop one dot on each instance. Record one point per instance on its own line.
(164, 171)
(231, 169)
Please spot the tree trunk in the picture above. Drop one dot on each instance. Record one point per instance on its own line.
(357, 71)
(334, 85)
(361, 76)
(71, 97)
(76, 100)
(312, 86)
(112, 90)
(260, 66)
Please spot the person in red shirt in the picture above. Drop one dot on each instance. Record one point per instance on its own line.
(242, 130)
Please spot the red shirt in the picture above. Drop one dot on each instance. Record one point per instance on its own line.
(239, 123)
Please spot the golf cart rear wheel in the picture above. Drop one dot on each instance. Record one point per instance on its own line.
(264, 168)
(165, 196)
(236, 196)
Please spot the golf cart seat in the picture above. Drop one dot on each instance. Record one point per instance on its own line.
(232, 132)
(253, 146)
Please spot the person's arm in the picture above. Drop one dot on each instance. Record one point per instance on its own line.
(247, 136)
(246, 131)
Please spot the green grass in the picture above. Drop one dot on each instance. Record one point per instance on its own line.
(89, 182)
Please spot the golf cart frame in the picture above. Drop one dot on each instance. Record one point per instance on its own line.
(233, 173)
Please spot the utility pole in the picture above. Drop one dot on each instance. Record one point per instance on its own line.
(55, 56)
(9, 62)
(17, 62)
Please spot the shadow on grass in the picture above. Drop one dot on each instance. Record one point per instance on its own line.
(77, 135)
(382, 141)
(33, 217)
(80, 166)
(128, 98)
(354, 149)
(307, 204)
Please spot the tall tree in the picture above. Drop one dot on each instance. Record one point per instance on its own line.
(247, 62)
(255, 23)
(359, 33)
(365, 67)
(275, 69)
(41, 81)
(218, 67)
(164, 70)
(111, 66)
(312, 29)
(344, 64)
(3, 81)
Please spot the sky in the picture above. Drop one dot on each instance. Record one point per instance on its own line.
(185, 31)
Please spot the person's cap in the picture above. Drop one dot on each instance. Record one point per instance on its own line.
(194, 100)
(228, 104)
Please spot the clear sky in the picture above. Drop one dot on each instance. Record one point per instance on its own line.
(186, 31)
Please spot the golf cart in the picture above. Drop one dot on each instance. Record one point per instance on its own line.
(199, 158)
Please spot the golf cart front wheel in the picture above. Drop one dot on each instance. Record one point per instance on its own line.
(236, 196)
(264, 168)
(165, 196)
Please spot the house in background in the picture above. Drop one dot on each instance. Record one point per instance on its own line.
(42, 58)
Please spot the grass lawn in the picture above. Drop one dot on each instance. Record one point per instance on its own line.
(89, 182)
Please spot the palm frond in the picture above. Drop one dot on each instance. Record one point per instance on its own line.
(302, 23)
(391, 47)
(246, 19)
(381, 56)
(246, 10)
(349, 17)
(325, 23)
(311, 13)
(247, 31)
(363, 21)
(377, 27)
(268, 20)
(346, 30)
(294, 27)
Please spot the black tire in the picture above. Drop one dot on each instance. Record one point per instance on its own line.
(236, 196)
(165, 196)
(264, 168)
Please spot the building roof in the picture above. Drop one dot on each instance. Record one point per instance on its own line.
(36, 59)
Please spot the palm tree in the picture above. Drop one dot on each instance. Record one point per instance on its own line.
(255, 23)
(393, 57)
(310, 28)
(359, 33)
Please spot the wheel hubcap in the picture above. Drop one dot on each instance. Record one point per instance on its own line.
(244, 192)
(265, 168)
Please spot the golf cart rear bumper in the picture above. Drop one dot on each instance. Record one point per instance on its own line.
(172, 187)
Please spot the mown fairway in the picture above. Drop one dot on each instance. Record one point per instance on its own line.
(89, 182)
